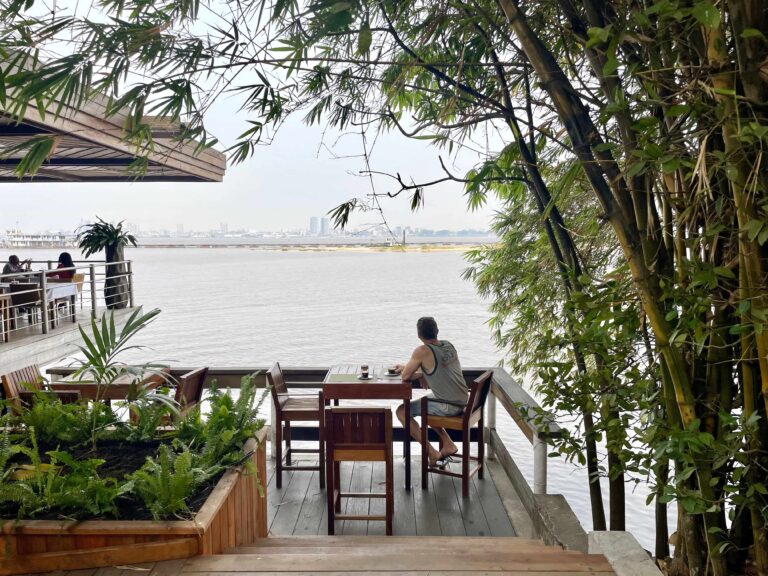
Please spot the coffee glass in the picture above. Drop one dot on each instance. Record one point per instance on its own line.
(364, 370)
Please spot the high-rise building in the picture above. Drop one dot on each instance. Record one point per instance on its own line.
(324, 227)
(314, 225)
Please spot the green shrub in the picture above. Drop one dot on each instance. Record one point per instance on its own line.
(165, 484)
(71, 487)
(57, 423)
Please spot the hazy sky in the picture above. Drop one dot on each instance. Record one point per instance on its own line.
(281, 187)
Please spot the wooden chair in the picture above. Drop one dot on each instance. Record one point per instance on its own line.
(28, 398)
(29, 296)
(79, 279)
(471, 416)
(18, 381)
(189, 390)
(358, 435)
(294, 407)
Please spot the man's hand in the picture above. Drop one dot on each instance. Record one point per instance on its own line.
(399, 368)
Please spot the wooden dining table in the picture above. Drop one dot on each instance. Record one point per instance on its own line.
(120, 389)
(343, 382)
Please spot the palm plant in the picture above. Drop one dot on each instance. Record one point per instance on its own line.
(111, 238)
(102, 365)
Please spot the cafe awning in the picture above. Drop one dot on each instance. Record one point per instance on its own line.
(91, 147)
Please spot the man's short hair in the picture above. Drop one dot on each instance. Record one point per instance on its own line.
(13, 259)
(426, 328)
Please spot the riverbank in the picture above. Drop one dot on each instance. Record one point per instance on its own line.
(292, 247)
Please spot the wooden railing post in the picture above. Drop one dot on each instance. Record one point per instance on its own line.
(273, 432)
(92, 271)
(44, 295)
(490, 418)
(130, 285)
(539, 464)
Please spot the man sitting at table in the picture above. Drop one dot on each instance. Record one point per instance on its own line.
(15, 266)
(436, 364)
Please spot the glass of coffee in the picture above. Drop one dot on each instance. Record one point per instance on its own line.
(364, 370)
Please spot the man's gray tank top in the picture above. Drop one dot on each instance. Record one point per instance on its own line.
(447, 381)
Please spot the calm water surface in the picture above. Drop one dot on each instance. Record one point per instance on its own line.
(251, 307)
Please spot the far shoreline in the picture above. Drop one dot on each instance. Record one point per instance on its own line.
(292, 247)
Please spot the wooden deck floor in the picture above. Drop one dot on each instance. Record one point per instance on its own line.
(300, 509)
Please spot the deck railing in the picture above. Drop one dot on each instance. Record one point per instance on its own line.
(95, 290)
(538, 425)
(534, 422)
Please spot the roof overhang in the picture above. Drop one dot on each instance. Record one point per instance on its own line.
(91, 147)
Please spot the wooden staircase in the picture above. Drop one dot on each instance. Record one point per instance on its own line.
(403, 555)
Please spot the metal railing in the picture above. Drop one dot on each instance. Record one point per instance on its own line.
(94, 285)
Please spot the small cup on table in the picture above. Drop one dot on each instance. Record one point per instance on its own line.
(364, 371)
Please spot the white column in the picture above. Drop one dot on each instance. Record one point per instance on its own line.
(539, 465)
(490, 418)
(272, 431)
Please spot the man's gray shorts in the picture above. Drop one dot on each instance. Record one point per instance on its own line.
(435, 408)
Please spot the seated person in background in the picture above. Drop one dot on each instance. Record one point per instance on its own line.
(15, 266)
(437, 365)
(65, 261)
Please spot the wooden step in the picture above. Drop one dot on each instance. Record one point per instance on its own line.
(423, 560)
(363, 540)
(394, 549)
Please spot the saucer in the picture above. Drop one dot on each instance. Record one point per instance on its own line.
(388, 375)
(368, 378)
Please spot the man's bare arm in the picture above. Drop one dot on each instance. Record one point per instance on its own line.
(413, 366)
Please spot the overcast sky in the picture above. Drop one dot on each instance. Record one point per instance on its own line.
(281, 187)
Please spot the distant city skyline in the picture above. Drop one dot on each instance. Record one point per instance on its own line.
(319, 227)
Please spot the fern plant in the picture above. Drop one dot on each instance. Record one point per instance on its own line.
(65, 484)
(230, 423)
(57, 423)
(165, 483)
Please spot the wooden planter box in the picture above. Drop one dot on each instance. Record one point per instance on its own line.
(235, 513)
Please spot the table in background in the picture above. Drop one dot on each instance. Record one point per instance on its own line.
(342, 383)
(63, 291)
(118, 390)
(54, 291)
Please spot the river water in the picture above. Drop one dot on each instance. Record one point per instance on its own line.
(244, 306)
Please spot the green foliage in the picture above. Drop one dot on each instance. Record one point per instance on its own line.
(195, 453)
(102, 365)
(165, 483)
(230, 423)
(57, 423)
(102, 235)
(71, 487)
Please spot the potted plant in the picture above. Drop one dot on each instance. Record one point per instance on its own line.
(111, 238)
(90, 484)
